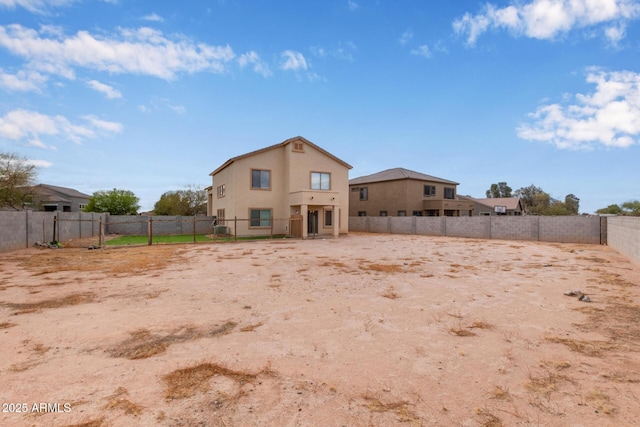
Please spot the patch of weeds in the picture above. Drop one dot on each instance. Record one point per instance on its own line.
(601, 402)
(73, 299)
(186, 382)
(119, 400)
(142, 344)
(251, 328)
(390, 293)
(462, 332)
(93, 423)
(501, 393)
(127, 261)
(488, 418)
(588, 348)
(545, 383)
(480, 325)
(383, 268)
(400, 409)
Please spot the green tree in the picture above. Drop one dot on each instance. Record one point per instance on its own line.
(16, 180)
(632, 207)
(188, 202)
(115, 202)
(610, 210)
(534, 200)
(500, 189)
(572, 203)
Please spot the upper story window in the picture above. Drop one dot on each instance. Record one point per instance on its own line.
(429, 190)
(449, 193)
(320, 181)
(260, 179)
(222, 190)
(298, 147)
(364, 193)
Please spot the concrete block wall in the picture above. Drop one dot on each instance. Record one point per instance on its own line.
(623, 234)
(467, 226)
(22, 229)
(515, 228)
(431, 225)
(402, 225)
(570, 229)
(138, 225)
(13, 230)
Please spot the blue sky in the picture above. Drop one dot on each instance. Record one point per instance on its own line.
(151, 96)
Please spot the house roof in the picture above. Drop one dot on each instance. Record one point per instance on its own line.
(512, 203)
(279, 145)
(397, 174)
(55, 193)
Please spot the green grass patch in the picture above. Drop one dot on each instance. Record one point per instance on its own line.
(181, 238)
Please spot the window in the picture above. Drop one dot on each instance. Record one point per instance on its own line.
(298, 147)
(81, 206)
(328, 218)
(383, 213)
(320, 181)
(222, 191)
(362, 213)
(220, 215)
(429, 190)
(260, 179)
(364, 193)
(402, 213)
(417, 213)
(449, 193)
(260, 218)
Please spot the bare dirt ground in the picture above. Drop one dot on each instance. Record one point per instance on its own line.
(363, 330)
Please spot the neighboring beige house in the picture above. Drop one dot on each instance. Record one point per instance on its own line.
(292, 188)
(511, 206)
(402, 192)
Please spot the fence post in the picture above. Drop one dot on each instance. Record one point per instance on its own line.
(235, 228)
(101, 241)
(55, 218)
(150, 231)
(271, 235)
(194, 229)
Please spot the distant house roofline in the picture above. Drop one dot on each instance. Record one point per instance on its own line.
(54, 190)
(396, 174)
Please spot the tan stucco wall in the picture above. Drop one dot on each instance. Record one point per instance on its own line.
(290, 183)
(394, 196)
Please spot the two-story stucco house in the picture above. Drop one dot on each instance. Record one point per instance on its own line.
(292, 188)
(402, 192)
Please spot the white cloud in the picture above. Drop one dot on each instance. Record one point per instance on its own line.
(422, 51)
(142, 51)
(153, 17)
(34, 6)
(30, 126)
(344, 51)
(547, 19)
(293, 60)
(110, 127)
(405, 37)
(107, 90)
(352, 5)
(609, 116)
(22, 81)
(259, 66)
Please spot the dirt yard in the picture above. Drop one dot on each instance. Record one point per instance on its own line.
(364, 330)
